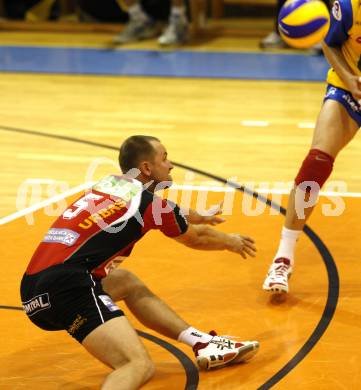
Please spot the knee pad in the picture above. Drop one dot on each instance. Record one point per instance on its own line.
(316, 167)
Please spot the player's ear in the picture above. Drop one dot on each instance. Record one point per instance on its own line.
(145, 168)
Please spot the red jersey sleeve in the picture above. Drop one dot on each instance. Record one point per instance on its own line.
(166, 216)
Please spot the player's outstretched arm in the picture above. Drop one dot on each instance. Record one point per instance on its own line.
(206, 238)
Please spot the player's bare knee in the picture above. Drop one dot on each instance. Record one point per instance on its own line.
(142, 365)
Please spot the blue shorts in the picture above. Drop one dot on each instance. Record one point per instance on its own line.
(346, 99)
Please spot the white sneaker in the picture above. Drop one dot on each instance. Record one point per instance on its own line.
(176, 32)
(222, 351)
(278, 275)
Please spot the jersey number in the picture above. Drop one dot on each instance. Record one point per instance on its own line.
(80, 205)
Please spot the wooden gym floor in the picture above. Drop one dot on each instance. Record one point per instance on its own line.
(309, 339)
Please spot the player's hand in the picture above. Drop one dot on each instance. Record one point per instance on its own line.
(354, 86)
(243, 245)
(213, 218)
(208, 217)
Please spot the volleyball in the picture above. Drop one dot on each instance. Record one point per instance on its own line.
(303, 23)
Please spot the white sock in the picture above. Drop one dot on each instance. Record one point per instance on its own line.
(288, 244)
(192, 336)
(136, 12)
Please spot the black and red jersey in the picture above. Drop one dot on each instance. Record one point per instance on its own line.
(101, 227)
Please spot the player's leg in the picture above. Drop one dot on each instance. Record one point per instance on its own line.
(116, 344)
(69, 298)
(140, 25)
(150, 310)
(334, 129)
(211, 350)
(177, 30)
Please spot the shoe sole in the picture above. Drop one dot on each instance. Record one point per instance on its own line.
(244, 354)
(277, 288)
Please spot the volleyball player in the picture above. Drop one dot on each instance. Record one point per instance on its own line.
(337, 124)
(71, 282)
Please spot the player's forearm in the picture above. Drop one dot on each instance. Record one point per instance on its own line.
(210, 239)
(338, 62)
(193, 217)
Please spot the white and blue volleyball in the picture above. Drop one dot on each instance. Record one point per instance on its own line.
(303, 23)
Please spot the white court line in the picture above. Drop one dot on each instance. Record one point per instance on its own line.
(44, 203)
(306, 125)
(185, 187)
(191, 187)
(257, 123)
(266, 191)
(322, 193)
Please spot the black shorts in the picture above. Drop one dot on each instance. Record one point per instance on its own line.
(65, 297)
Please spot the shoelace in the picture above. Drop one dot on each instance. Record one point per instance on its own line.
(223, 342)
(280, 270)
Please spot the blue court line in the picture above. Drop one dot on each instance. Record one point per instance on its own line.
(181, 63)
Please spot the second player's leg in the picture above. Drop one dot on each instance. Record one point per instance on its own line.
(334, 130)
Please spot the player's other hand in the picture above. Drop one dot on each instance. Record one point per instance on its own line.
(243, 245)
(214, 217)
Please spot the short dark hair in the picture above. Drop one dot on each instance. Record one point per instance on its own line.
(134, 149)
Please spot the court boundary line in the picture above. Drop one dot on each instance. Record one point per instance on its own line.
(42, 204)
(327, 258)
(195, 72)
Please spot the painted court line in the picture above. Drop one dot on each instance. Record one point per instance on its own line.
(44, 203)
(258, 123)
(266, 191)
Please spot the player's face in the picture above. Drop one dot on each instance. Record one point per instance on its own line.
(160, 166)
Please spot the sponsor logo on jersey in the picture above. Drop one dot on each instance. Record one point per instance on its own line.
(36, 304)
(77, 323)
(331, 91)
(61, 236)
(336, 10)
(116, 186)
(102, 214)
(108, 302)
